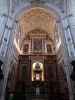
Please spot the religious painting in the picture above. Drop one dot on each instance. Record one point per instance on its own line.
(49, 49)
(26, 48)
(37, 45)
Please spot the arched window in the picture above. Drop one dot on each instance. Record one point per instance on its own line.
(37, 72)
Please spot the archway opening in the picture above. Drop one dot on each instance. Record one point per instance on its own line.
(40, 21)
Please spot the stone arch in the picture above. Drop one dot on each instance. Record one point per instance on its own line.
(27, 7)
(49, 9)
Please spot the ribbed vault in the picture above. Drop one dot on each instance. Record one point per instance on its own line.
(37, 18)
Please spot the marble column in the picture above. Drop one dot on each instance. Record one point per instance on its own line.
(6, 37)
(68, 38)
(72, 18)
(3, 21)
(4, 49)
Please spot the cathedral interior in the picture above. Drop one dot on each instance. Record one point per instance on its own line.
(37, 49)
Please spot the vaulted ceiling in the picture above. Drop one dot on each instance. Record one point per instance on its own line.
(38, 18)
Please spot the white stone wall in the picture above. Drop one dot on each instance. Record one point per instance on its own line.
(3, 7)
(72, 18)
(7, 52)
